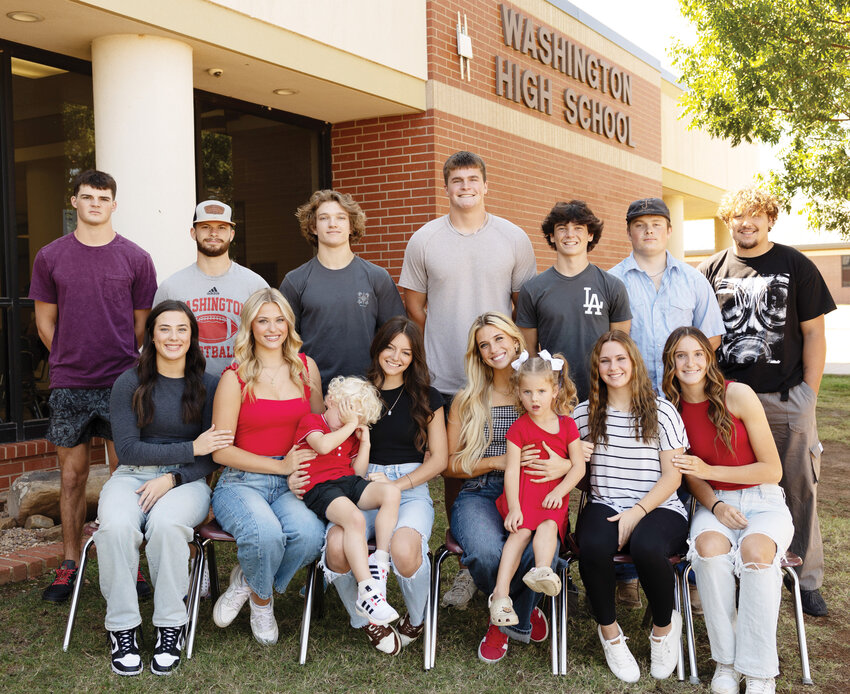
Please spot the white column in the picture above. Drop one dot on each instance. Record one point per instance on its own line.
(676, 244)
(144, 137)
(722, 239)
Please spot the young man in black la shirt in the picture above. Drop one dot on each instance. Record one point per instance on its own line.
(773, 301)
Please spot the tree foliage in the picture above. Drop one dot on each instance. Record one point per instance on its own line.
(778, 71)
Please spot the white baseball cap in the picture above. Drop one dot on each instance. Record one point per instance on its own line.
(213, 211)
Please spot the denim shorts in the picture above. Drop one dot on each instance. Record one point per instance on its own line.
(765, 510)
(77, 415)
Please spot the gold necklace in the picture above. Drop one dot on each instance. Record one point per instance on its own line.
(277, 371)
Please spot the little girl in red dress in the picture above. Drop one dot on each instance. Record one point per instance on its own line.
(532, 508)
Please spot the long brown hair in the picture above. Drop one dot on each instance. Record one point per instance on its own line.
(417, 380)
(643, 404)
(194, 391)
(715, 384)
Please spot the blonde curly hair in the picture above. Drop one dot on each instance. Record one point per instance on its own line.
(355, 394)
(749, 199)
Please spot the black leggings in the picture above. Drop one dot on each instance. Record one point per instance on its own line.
(655, 538)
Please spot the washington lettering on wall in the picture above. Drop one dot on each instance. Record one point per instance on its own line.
(555, 51)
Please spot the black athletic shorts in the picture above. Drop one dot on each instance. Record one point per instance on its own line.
(77, 415)
(320, 497)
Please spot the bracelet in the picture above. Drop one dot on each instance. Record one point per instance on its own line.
(409, 479)
(645, 512)
(719, 501)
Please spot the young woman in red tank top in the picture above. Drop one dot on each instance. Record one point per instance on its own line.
(742, 526)
(261, 397)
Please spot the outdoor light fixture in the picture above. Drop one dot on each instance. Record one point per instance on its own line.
(20, 16)
(285, 92)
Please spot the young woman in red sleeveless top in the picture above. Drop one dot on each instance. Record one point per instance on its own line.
(742, 526)
(261, 397)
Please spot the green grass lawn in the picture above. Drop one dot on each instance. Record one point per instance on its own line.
(340, 660)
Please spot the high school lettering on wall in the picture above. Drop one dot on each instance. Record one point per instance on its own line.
(554, 50)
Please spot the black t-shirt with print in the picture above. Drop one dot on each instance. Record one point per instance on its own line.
(763, 301)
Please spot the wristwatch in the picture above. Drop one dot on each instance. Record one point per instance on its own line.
(178, 478)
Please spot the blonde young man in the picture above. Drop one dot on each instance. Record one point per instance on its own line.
(773, 301)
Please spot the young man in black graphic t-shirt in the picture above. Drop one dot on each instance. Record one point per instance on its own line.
(773, 301)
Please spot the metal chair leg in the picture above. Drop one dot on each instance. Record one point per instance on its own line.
(689, 625)
(677, 604)
(436, 567)
(215, 586)
(801, 626)
(309, 590)
(75, 595)
(563, 615)
(426, 646)
(195, 595)
(554, 605)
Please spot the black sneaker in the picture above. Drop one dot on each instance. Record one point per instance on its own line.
(126, 659)
(143, 588)
(166, 652)
(63, 585)
(813, 603)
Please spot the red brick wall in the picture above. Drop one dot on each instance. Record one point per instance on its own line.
(393, 166)
(830, 268)
(17, 458)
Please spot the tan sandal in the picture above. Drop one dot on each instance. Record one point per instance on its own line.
(502, 612)
(541, 579)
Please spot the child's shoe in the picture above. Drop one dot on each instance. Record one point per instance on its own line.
(372, 604)
(541, 579)
(379, 567)
(502, 612)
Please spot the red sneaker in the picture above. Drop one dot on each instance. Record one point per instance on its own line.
(493, 646)
(539, 626)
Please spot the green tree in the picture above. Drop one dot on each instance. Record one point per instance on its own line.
(778, 71)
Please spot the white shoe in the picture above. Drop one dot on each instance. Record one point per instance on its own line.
(461, 592)
(263, 623)
(205, 582)
(232, 600)
(761, 685)
(664, 652)
(619, 658)
(372, 605)
(726, 680)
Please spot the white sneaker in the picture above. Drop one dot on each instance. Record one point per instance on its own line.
(761, 685)
(263, 623)
(372, 605)
(231, 601)
(664, 652)
(205, 582)
(384, 637)
(726, 680)
(619, 658)
(461, 592)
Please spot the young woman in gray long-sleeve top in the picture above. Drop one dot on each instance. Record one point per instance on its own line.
(161, 413)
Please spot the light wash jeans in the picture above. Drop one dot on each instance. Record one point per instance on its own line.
(276, 534)
(479, 528)
(416, 511)
(744, 637)
(168, 529)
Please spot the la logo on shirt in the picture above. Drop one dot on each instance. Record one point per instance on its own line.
(592, 303)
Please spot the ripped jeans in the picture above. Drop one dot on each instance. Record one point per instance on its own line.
(415, 511)
(744, 635)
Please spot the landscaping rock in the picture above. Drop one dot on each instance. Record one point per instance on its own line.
(36, 522)
(53, 534)
(7, 522)
(38, 493)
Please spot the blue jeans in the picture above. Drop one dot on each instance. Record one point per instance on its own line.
(168, 529)
(276, 534)
(415, 511)
(479, 528)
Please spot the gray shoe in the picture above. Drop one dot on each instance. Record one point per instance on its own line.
(461, 592)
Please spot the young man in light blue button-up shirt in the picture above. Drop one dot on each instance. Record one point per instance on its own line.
(664, 293)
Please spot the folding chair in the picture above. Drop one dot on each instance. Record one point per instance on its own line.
(88, 529)
(787, 564)
(557, 622)
(205, 538)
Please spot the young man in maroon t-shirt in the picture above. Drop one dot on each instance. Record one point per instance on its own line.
(93, 290)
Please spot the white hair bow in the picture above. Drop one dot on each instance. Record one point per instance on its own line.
(555, 364)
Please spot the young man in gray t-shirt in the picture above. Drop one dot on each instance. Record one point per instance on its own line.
(214, 286)
(567, 307)
(459, 266)
(339, 299)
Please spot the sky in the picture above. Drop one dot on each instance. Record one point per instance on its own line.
(653, 25)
